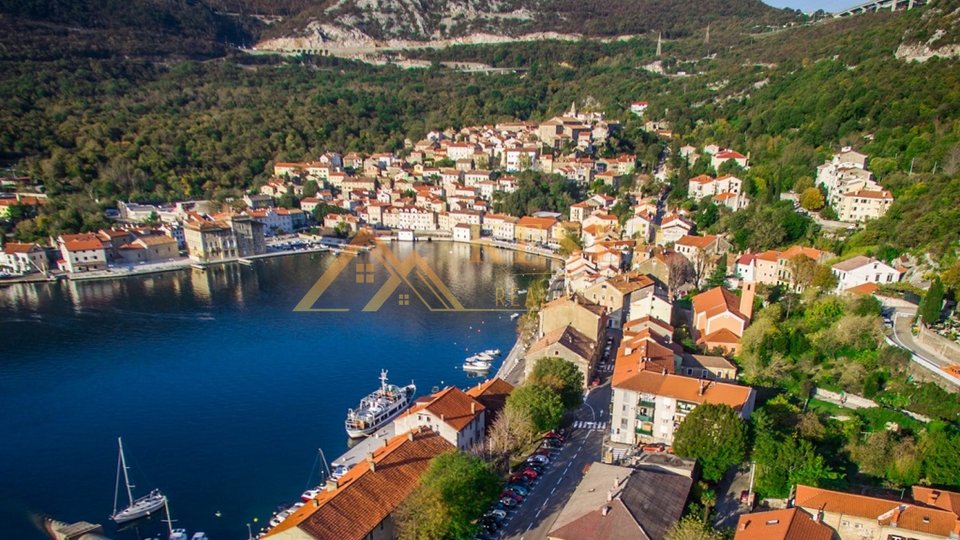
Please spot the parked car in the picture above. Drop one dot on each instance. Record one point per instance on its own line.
(552, 444)
(511, 495)
(522, 490)
(536, 458)
(554, 435)
(744, 497)
(497, 515)
(508, 502)
(541, 452)
(654, 447)
(530, 473)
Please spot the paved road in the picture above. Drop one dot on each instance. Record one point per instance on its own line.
(536, 515)
(729, 508)
(921, 355)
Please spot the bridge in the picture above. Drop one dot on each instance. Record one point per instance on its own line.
(880, 5)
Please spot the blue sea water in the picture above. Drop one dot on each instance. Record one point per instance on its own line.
(221, 391)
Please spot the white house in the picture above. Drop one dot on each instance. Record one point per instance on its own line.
(452, 413)
(861, 270)
(463, 232)
(82, 252)
(639, 107)
(20, 259)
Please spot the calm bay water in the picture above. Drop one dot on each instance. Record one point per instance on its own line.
(222, 393)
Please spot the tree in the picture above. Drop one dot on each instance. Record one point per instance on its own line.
(454, 491)
(715, 436)
(540, 404)
(536, 294)
(719, 274)
(932, 303)
(940, 447)
(679, 271)
(823, 278)
(570, 243)
(812, 199)
(802, 269)
(310, 189)
(510, 432)
(561, 376)
(951, 278)
(692, 528)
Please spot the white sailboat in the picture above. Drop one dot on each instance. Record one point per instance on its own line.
(142, 507)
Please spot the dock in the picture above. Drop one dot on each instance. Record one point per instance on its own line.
(81, 530)
(359, 452)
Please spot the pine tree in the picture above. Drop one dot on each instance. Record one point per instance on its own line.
(932, 302)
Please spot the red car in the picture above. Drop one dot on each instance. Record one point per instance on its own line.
(512, 495)
(655, 447)
(530, 473)
(554, 435)
(542, 452)
(518, 478)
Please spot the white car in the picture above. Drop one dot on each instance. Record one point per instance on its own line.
(542, 460)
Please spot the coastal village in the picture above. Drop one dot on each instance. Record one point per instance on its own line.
(651, 313)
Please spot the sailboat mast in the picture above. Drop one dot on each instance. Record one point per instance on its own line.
(166, 507)
(123, 463)
(116, 487)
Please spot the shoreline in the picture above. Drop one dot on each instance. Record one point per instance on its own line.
(185, 264)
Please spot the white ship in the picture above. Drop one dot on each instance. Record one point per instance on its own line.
(378, 408)
(142, 507)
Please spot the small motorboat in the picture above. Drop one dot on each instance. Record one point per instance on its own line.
(199, 536)
(514, 317)
(178, 534)
(492, 352)
(310, 494)
(477, 363)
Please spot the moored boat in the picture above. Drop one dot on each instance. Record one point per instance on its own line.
(378, 408)
(137, 508)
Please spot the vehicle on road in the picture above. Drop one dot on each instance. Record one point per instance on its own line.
(744, 497)
(508, 502)
(512, 494)
(538, 459)
(498, 515)
(654, 447)
(554, 436)
(530, 473)
(519, 489)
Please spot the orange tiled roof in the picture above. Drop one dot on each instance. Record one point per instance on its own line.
(628, 375)
(367, 495)
(908, 517)
(536, 223)
(940, 498)
(864, 288)
(701, 242)
(569, 337)
(716, 300)
(788, 524)
(14, 247)
(720, 336)
(702, 179)
(452, 405)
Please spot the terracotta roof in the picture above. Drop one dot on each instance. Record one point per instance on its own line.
(908, 517)
(569, 337)
(453, 406)
(720, 336)
(716, 300)
(536, 223)
(702, 179)
(644, 352)
(701, 242)
(596, 309)
(643, 320)
(83, 245)
(367, 495)
(628, 375)
(14, 247)
(706, 361)
(863, 288)
(492, 394)
(788, 524)
(724, 196)
(939, 498)
(728, 154)
(809, 252)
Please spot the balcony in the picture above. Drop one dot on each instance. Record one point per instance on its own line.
(642, 431)
(644, 417)
(644, 403)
